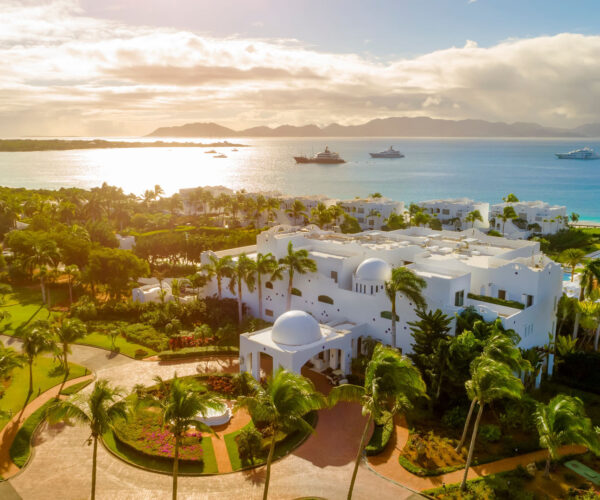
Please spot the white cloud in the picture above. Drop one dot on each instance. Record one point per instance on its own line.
(65, 73)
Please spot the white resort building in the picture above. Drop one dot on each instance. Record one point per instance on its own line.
(453, 212)
(533, 217)
(371, 212)
(345, 301)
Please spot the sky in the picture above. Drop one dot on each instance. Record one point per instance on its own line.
(125, 67)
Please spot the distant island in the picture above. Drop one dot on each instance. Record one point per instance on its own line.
(21, 145)
(385, 127)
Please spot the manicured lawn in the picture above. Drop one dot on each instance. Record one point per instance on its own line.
(75, 388)
(232, 449)
(45, 376)
(24, 306)
(127, 348)
(21, 447)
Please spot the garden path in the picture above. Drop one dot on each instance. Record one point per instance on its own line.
(388, 466)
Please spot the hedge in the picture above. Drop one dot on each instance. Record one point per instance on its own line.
(380, 437)
(580, 370)
(193, 352)
(494, 300)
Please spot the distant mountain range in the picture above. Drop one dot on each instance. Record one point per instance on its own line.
(386, 127)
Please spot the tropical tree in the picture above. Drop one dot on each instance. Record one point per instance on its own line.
(321, 216)
(73, 274)
(282, 403)
(9, 360)
(588, 281)
(404, 282)
(219, 268)
(510, 198)
(392, 384)
(574, 217)
(67, 332)
(565, 310)
(395, 221)
(297, 211)
(37, 339)
(176, 286)
(266, 264)
(507, 214)
(43, 253)
(473, 217)
(420, 218)
(243, 271)
(572, 257)
(490, 380)
(296, 261)
(591, 319)
(273, 205)
(563, 421)
(99, 409)
(337, 213)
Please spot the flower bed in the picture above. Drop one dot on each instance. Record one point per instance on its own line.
(221, 384)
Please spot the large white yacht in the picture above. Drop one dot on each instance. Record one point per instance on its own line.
(388, 153)
(579, 154)
(323, 157)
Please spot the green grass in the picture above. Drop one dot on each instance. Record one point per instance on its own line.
(24, 306)
(129, 454)
(20, 449)
(97, 339)
(232, 449)
(75, 388)
(45, 376)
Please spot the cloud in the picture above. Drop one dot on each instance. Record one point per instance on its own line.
(67, 73)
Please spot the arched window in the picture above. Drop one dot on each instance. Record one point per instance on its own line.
(297, 292)
(325, 299)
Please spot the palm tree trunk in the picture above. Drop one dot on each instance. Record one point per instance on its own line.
(30, 376)
(43, 288)
(94, 458)
(289, 293)
(268, 475)
(576, 325)
(547, 468)
(259, 296)
(70, 292)
(240, 312)
(219, 287)
(394, 323)
(466, 428)
(597, 338)
(463, 485)
(66, 371)
(359, 455)
(175, 467)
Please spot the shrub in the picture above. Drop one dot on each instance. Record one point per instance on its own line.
(381, 435)
(146, 336)
(84, 309)
(223, 384)
(249, 444)
(490, 433)
(193, 352)
(455, 417)
(140, 353)
(495, 300)
(580, 370)
(518, 414)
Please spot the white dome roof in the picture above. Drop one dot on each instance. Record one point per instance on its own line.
(296, 328)
(374, 270)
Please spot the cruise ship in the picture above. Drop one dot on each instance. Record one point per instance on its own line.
(579, 154)
(324, 157)
(388, 153)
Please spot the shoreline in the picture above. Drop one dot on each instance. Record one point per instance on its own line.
(31, 145)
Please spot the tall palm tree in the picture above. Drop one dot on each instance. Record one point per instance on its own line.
(591, 318)
(474, 216)
(572, 257)
(392, 383)
(563, 421)
(243, 271)
(320, 215)
(490, 380)
(67, 332)
(282, 402)
(405, 282)
(37, 339)
(176, 286)
(219, 268)
(420, 218)
(273, 205)
(588, 281)
(44, 253)
(297, 211)
(180, 408)
(507, 214)
(73, 274)
(510, 198)
(99, 409)
(9, 360)
(294, 262)
(265, 265)
(337, 212)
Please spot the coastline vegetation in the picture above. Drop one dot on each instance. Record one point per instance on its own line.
(23, 145)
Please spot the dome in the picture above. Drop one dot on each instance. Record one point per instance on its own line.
(374, 270)
(296, 328)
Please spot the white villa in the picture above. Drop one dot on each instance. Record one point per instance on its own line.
(371, 212)
(549, 218)
(344, 301)
(453, 212)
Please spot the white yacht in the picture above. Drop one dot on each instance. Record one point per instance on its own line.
(324, 157)
(388, 153)
(579, 154)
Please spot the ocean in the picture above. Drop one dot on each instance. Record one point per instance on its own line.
(482, 169)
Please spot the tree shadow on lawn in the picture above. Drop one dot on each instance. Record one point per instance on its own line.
(256, 475)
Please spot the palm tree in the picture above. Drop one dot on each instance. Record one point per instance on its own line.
(563, 421)
(405, 282)
(591, 318)
(565, 309)
(294, 262)
(9, 360)
(490, 380)
(273, 205)
(510, 198)
(176, 289)
(588, 281)
(72, 273)
(219, 268)
(99, 409)
(67, 332)
(297, 211)
(321, 216)
(37, 339)
(282, 402)
(574, 217)
(259, 206)
(473, 217)
(572, 257)
(420, 218)
(392, 383)
(180, 408)
(336, 212)
(507, 214)
(243, 272)
(43, 253)
(265, 265)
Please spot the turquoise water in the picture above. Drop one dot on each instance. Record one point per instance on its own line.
(483, 169)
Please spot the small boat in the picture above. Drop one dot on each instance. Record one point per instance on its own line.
(579, 154)
(234, 149)
(212, 152)
(220, 156)
(388, 153)
(323, 157)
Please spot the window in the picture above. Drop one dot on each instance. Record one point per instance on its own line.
(529, 301)
(371, 289)
(296, 292)
(446, 211)
(459, 298)
(361, 210)
(371, 222)
(361, 219)
(334, 276)
(268, 312)
(325, 299)
(269, 285)
(502, 294)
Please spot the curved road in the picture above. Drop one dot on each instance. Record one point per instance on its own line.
(322, 466)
